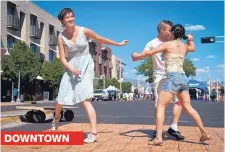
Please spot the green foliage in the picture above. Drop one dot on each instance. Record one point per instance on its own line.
(146, 68)
(112, 82)
(189, 68)
(126, 87)
(29, 64)
(8, 68)
(52, 72)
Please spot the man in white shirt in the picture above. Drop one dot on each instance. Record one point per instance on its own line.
(159, 74)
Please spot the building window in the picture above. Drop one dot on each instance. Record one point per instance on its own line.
(33, 48)
(104, 54)
(50, 56)
(122, 71)
(118, 75)
(105, 70)
(110, 73)
(10, 42)
(10, 10)
(51, 30)
(32, 20)
(41, 26)
(100, 69)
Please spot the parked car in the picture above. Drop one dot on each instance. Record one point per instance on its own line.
(101, 94)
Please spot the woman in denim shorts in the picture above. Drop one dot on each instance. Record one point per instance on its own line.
(174, 53)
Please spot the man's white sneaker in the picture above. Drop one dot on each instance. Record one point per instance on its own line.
(55, 123)
(90, 138)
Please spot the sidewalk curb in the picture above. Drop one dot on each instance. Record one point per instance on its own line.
(16, 119)
(23, 103)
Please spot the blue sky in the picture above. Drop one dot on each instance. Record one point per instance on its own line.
(137, 21)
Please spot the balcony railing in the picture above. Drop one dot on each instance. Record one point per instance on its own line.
(52, 39)
(13, 22)
(35, 32)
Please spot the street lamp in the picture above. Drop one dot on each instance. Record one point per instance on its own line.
(139, 76)
(208, 70)
(7, 53)
(121, 77)
(18, 69)
(217, 90)
(101, 77)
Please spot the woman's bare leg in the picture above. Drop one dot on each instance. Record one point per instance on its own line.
(91, 115)
(58, 110)
(163, 100)
(57, 117)
(184, 97)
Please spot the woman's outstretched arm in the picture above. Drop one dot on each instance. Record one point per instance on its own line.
(91, 34)
(147, 53)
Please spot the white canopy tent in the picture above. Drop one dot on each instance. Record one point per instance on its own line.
(112, 88)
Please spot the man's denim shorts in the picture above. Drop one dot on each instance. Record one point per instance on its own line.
(176, 82)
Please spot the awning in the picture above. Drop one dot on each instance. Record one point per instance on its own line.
(196, 84)
(16, 37)
(52, 50)
(37, 44)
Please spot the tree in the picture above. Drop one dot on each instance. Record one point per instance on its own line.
(126, 87)
(112, 82)
(189, 68)
(146, 66)
(99, 84)
(52, 73)
(8, 68)
(145, 69)
(108, 82)
(29, 64)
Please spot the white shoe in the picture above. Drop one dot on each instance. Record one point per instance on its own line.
(55, 123)
(90, 138)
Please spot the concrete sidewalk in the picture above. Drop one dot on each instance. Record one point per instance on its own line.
(132, 138)
(23, 103)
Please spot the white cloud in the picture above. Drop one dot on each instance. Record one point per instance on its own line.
(220, 66)
(210, 56)
(195, 59)
(201, 70)
(194, 27)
